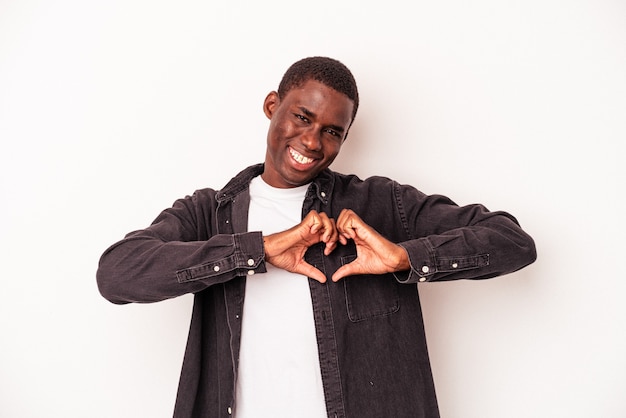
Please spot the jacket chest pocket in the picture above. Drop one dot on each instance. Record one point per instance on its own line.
(369, 296)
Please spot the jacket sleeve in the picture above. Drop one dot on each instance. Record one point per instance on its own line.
(450, 242)
(175, 256)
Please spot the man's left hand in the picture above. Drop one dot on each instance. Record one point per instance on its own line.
(375, 253)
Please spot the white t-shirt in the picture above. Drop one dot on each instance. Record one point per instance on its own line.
(279, 370)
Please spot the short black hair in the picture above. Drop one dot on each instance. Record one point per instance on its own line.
(326, 70)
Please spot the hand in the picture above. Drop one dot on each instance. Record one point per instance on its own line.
(375, 254)
(286, 249)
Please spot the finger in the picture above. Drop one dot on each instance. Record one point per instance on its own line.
(314, 221)
(331, 242)
(312, 272)
(341, 220)
(347, 222)
(331, 235)
(328, 227)
(344, 271)
(343, 240)
(330, 247)
(347, 234)
(343, 216)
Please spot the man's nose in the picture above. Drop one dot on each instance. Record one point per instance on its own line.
(311, 139)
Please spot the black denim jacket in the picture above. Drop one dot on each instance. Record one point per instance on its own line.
(370, 333)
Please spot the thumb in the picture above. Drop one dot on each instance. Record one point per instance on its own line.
(344, 271)
(312, 272)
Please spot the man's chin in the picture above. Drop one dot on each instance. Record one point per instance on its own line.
(301, 178)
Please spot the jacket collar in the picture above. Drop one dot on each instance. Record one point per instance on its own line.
(321, 186)
(239, 183)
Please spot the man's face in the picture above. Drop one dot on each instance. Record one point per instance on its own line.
(307, 128)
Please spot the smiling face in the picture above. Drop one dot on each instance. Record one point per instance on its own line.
(307, 128)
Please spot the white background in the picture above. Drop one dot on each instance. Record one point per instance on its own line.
(111, 110)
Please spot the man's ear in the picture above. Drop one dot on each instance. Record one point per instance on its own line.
(271, 102)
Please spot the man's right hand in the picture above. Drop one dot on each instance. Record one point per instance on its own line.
(286, 249)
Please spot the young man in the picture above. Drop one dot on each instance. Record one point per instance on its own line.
(304, 279)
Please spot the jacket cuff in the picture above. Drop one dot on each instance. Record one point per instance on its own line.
(427, 265)
(422, 261)
(247, 258)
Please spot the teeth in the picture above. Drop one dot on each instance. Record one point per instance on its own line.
(299, 157)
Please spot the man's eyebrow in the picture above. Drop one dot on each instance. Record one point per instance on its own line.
(306, 111)
(312, 115)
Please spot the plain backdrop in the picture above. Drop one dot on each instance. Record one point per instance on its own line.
(111, 110)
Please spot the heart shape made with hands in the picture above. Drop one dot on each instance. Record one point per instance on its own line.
(375, 253)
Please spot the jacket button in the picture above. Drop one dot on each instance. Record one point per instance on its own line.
(250, 272)
(250, 262)
(216, 269)
(422, 279)
(425, 269)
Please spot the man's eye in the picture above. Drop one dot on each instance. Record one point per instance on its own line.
(302, 118)
(333, 133)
